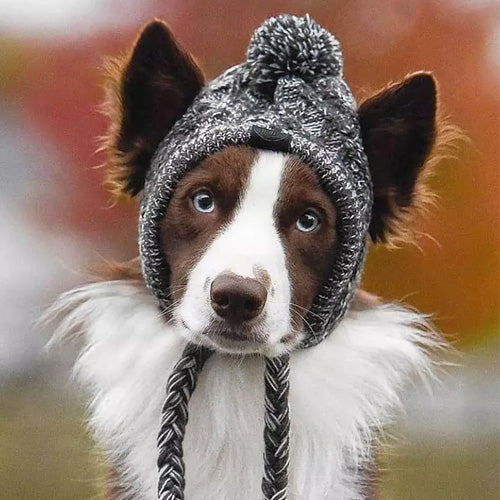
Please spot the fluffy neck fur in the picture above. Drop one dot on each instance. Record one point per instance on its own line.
(341, 393)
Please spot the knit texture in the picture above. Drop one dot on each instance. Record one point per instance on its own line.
(277, 429)
(180, 387)
(290, 89)
(291, 83)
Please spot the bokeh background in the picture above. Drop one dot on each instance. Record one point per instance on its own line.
(56, 219)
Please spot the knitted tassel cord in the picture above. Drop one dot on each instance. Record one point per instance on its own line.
(180, 387)
(276, 429)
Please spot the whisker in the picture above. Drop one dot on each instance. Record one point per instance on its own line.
(169, 309)
(305, 322)
(293, 305)
(308, 311)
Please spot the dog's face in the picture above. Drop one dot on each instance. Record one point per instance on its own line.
(249, 236)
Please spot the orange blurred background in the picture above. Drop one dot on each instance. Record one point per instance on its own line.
(452, 273)
(56, 217)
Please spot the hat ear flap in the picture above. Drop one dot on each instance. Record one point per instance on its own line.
(398, 128)
(147, 92)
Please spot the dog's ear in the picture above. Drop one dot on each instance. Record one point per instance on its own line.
(147, 91)
(398, 128)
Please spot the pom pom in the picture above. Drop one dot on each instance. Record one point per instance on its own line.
(290, 45)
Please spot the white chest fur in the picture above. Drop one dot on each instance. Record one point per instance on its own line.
(341, 392)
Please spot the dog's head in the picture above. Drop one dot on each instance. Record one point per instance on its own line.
(250, 235)
(253, 237)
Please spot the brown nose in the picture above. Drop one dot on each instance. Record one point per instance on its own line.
(237, 299)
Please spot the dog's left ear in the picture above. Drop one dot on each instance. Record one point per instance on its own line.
(147, 92)
(398, 128)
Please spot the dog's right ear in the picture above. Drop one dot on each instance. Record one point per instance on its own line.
(147, 91)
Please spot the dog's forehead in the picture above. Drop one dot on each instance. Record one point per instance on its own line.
(231, 168)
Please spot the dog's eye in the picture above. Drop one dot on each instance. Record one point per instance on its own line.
(203, 201)
(308, 221)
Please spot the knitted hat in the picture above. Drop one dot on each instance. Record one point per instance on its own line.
(289, 95)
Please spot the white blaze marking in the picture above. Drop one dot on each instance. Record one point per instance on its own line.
(251, 239)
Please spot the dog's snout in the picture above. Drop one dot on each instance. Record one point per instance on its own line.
(237, 299)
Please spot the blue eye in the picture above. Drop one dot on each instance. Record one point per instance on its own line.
(308, 221)
(203, 201)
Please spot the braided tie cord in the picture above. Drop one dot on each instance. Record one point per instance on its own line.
(277, 428)
(180, 387)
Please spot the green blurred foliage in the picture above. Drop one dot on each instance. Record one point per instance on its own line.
(45, 452)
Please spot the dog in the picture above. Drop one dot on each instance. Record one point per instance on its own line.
(249, 235)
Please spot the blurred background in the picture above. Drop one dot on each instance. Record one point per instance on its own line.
(56, 219)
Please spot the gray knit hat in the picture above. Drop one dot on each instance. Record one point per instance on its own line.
(289, 95)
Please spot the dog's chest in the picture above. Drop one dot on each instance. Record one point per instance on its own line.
(223, 446)
(340, 392)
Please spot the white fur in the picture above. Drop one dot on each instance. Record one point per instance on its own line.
(341, 393)
(251, 240)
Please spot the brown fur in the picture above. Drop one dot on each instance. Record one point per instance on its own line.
(402, 227)
(116, 271)
(364, 300)
(113, 489)
(186, 232)
(414, 134)
(309, 255)
(173, 79)
(116, 162)
(131, 270)
(398, 131)
(147, 90)
(151, 86)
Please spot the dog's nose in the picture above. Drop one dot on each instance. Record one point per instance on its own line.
(237, 299)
